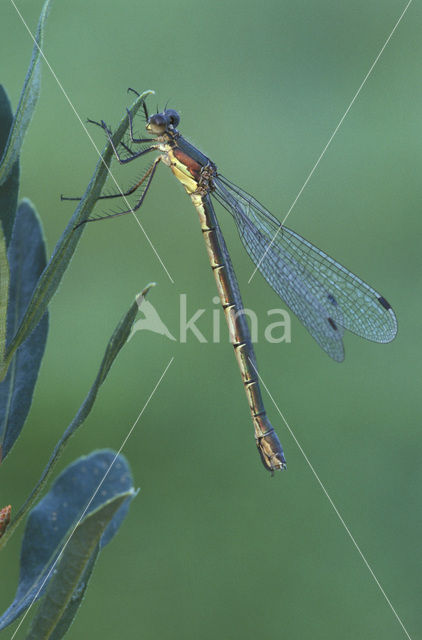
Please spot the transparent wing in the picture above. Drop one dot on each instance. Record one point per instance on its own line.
(324, 295)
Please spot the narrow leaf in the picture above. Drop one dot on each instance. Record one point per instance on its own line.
(27, 102)
(72, 608)
(9, 189)
(4, 294)
(27, 259)
(50, 279)
(55, 607)
(116, 342)
(79, 593)
(64, 533)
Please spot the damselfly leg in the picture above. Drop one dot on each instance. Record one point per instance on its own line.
(125, 146)
(116, 153)
(149, 174)
(133, 139)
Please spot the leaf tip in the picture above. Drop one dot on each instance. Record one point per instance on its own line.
(141, 296)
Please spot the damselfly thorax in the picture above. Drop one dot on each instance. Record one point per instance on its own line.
(195, 174)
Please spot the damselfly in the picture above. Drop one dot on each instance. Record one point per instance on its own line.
(324, 295)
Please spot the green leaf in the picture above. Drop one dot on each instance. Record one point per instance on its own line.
(9, 189)
(53, 273)
(27, 102)
(64, 533)
(116, 342)
(27, 259)
(72, 608)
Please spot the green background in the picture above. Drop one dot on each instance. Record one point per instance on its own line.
(213, 546)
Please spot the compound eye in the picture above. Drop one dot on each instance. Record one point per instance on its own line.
(157, 123)
(173, 117)
(158, 120)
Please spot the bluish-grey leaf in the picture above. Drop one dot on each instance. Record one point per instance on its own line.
(9, 189)
(59, 614)
(27, 102)
(89, 485)
(78, 594)
(116, 342)
(59, 261)
(4, 294)
(76, 600)
(27, 260)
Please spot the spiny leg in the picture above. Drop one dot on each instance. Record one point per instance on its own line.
(149, 174)
(134, 155)
(113, 195)
(116, 153)
(125, 146)
(136, 140)
(133, 91)
(144, 105)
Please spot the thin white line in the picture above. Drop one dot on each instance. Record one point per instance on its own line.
(330, 140)
(368, 566)
(91, 139)
(92, 497)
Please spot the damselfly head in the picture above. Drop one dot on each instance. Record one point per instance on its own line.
(159, 123)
